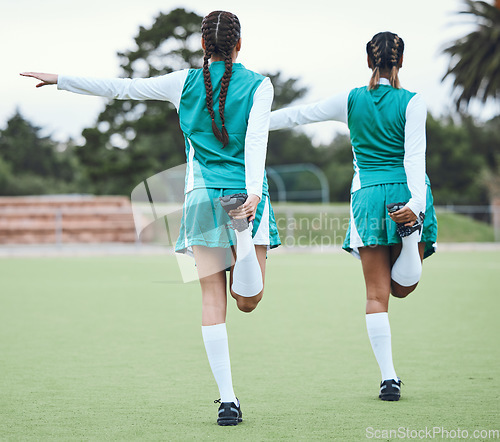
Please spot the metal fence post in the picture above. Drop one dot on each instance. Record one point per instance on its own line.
(59, 226)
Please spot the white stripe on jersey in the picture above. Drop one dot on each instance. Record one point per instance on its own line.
(190, 169)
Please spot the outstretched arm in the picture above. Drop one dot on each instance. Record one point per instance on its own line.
(45, 79)
(165, 87)
(330, 109)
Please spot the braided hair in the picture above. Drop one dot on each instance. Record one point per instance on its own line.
(385, 50)
(221, 32)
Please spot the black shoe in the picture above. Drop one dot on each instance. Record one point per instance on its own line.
(231, 202)
(390, 390)
(400, 227)
(229, 413)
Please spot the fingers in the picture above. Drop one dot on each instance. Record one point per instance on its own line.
(403, 215)
(45, 79)
(244, 211)
(31, 74)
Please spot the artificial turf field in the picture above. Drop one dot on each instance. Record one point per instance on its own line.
(110, 348)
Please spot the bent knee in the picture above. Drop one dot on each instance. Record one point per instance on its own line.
(399, 295)
(400, 291)
(246, 308)
(248, 305)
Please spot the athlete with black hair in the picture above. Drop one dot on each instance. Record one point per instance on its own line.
(392, 224)
(224, 113)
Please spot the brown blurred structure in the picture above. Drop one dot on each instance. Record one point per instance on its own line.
(66, 219)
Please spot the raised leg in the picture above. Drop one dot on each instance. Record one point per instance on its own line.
(397, 290)
(248, 304)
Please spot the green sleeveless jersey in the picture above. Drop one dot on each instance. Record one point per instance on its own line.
(376, 120)
(209, 165)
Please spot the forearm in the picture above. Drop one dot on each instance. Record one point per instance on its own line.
(118, 88)
(167, 87)
(415, 175)
(414, 159)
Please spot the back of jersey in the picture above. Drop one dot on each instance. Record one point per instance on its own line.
(209, 163)
(376, 120)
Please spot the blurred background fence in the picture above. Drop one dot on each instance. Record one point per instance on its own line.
(152, 215)
(77, 219)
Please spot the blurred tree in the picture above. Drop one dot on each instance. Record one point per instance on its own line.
(475, 66)
(285, 91)
(454, 164)
(32, 164)
(485, 139)
(135, 140)
(335, 160)
(475, 58)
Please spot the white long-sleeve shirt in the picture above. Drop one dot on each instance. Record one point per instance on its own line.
(169, 88)
(336, 108)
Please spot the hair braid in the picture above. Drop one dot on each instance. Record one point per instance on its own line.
(209, 92)
(221, 32)
(232, 38)
(395, 56)
(385, 50)
(376, 57)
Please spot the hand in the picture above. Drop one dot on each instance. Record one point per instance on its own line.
(404, 215)
(45, 79)
(246, 210)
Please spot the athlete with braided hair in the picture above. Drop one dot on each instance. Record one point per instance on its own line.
(222, 49)
(224, 113)
(392, 224)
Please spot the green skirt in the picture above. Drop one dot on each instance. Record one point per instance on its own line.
(205, 223)
(370, 224)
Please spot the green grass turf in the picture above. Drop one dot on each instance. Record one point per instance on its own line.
(461, 228)
(110, 349)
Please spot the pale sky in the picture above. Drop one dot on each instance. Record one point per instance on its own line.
(321, 42)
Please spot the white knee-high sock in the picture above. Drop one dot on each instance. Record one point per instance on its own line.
(379, 332)
(407, 269)
(247, 274)
(216, 345)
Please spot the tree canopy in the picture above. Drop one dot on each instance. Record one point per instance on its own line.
(132, 141)
(475, 58)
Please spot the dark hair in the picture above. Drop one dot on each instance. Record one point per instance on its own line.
(221, 31)
(385, 50)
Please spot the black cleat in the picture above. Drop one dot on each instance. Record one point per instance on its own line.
(229, 413)
(400, 227)
(390, 390)
(231, 202)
